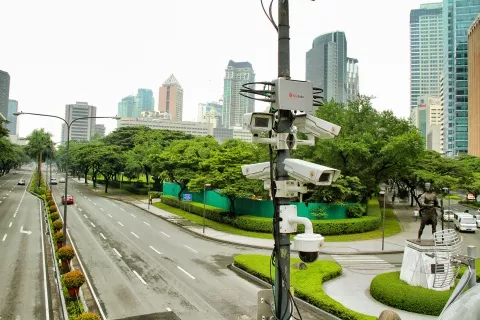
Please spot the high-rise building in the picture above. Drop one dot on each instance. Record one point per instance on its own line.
(458, 16)
(82, 129)
(12, 125)
(100, 129)
(126, 107)
(474, 88)
(170, 98)
(143, 102)
(4, 93)
(353, 81)
(210, 112)
(326, 66)
(235, 105)
(434, 115)
(426, 57)
(418, 116)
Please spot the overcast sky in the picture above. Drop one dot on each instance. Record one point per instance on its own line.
(60, 52)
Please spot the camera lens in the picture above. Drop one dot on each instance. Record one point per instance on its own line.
(308, 257)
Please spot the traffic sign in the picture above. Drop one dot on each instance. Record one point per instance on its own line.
(187, 197)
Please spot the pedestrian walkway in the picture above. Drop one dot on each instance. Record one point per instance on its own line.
(362, 262)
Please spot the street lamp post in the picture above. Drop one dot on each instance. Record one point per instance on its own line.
(383, 193)
(204, 200)
(121, 180)
(67, 154)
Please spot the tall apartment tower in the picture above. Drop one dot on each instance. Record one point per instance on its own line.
(126, 107)
(426, 57)
(82, 129)
(474, 88)
(458, 16)
(12, 126)
(170, 98)
(353, 80)
(235, 105)
(4, 93)
(143, 102)
(100, 129)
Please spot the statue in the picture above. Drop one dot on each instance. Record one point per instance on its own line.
(428, 212)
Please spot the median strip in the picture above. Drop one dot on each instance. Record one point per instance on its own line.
(188, 274)
(143, 281)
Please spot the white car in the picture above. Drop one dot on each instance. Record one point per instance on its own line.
(62, 180)
(448, 215)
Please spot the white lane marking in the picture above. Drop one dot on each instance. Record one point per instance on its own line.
(0, 201)
(109, 215)
(94, 204)
(135, 235)
(143, 281)
(101, 234)
(102, 209)
(118, 253)
(85, 216)
(166, 235)
(92, 224)
(81, 193)
(85, 197)
(10, 225)
(133, 215)
(188, 274)
(155, 250)
(190, 248)
(45, 288)
(120, 223)
(80, 209)
(122, 209)
(169, 310)
(90, 200)
(147, 223)
(15, 214)
(4, 237)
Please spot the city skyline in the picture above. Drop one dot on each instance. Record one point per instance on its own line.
(82, 72)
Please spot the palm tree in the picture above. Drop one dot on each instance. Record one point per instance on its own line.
(39, 146)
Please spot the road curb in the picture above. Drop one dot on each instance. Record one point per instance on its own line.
(244, 274)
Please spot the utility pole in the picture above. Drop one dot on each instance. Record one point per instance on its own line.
(283, 309)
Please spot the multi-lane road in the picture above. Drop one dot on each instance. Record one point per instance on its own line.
(24, 290)
(140, 264)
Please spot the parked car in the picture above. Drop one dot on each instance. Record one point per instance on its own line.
(62, 180)
(21, 182)
(53, 181)
(448, 215)
(69, 199)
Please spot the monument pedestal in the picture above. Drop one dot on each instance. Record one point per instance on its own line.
(421, 268)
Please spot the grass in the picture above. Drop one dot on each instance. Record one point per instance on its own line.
(453, 197)
(307, 283)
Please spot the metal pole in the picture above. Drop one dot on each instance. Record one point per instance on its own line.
(120, 191)
(383, 220)
(67, 155)
(283, 310)
(472, 254)
(449, 206)
(204, 192)
(149, 196)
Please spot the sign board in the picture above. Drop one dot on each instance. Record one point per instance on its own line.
(187, 197)
(470, 196)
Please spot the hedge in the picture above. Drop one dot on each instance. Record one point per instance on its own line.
(307, 283)
(258, 224)
(469, 203)
(388, 289)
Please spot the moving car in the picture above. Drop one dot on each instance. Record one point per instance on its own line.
(465, 222)
(62, 180)
(21, 182)
(448, 215)
(69, 199)
(53, 181)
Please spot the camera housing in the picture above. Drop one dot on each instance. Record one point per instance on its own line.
(259, 171)
(308, 245)
(258, 122)
(317, 127)
(308, 172)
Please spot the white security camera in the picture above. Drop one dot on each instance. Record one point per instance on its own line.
(308, 246)
(258, 122)
(259, 171)
(309, 172)
(320, 128)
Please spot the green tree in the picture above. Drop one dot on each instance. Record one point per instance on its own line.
(124, 137)
(345, 189)
(11, 155)
(111, 164)
(39, 146)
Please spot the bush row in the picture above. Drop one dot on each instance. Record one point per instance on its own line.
(258, 224)
(388, 289)
(474, 204)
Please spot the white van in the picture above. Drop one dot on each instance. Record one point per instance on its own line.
(464, 222)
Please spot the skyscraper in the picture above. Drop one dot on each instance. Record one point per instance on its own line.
(210, 112)
(353, 81)
(426, 57)
(327, 67)
(143, 102)
(100, 129)
(473, 88)
(126, 107)
(82, 129)
(4, 93)
(12, 125)
(235, 105)
(458, 16)
(170, 98)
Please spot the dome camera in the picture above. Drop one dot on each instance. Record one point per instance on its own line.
(307, 245)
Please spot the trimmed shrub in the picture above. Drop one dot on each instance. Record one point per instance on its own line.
(59, 236)
(50, 202)
(66, 253)
(53, 208)
(54, 216)
(388, 289)
(355, 211)
(470, 203)
(88, 316)
(155, 194)
(57, 225)
(74, 279)
(211, 213)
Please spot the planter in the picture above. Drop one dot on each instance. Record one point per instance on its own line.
(65, 265)
(73, 292)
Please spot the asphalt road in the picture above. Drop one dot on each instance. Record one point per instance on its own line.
(140, 264)
(23, 293)
(468, 238)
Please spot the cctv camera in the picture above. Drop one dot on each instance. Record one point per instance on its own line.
(259, 171)
(309, 172)
(308, 245)
(320, 128)
(258, 122)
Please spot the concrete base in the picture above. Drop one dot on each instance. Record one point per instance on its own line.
(418, 269)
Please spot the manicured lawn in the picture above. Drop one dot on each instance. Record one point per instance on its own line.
(307, 283)
(453, 197)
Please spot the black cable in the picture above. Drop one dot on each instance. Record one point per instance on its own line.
(271, 15)
(268, 17)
